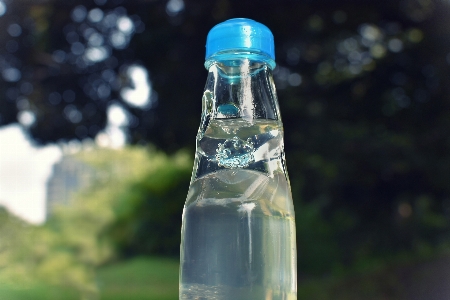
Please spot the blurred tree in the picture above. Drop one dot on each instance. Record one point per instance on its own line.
(131, 206)
(148, 217)
(32, 256)
(363, 88)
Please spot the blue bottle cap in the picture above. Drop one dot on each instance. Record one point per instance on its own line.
(240, 34)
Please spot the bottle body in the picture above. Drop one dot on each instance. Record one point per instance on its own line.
(238, 232)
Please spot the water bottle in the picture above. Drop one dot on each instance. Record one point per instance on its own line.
(238, 232)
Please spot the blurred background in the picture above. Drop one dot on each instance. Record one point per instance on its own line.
(100, 102)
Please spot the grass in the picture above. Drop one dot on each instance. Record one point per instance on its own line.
(155, 278)
(37, 292)
(149, 278)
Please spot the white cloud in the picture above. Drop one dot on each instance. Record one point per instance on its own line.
(24, 171)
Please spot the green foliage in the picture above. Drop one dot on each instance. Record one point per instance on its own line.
(32, 257)
(318, 248)
(366, 128)
(149, 210)
(77, 238)
(366, 143)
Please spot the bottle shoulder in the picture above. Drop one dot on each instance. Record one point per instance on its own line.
(233, 188)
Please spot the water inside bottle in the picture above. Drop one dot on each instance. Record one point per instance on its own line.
(238, 222)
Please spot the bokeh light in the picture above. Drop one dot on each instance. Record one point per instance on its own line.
(139, 92)
(2, 8)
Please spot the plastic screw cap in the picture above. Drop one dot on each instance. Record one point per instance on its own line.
(240, 34)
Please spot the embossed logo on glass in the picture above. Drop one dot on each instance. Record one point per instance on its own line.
(235, 153)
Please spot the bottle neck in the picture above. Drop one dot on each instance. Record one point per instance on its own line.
(241, 125)
(234, 55)
(240, 86)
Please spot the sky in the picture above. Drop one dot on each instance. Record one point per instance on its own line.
(26, 168)
(24, 172)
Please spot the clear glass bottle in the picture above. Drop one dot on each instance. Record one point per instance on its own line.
(238, 232)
